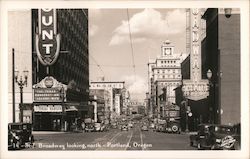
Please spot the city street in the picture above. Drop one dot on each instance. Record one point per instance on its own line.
(114, 139)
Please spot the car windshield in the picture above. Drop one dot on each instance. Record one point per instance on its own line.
(223, 129)
(16, 127)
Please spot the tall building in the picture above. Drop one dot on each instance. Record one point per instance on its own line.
(164, 73)
(70, 70)
(116, 95)
(221, 54)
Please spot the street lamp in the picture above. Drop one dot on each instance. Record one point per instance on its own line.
(209, 76)
(228, 12)
(21, 83)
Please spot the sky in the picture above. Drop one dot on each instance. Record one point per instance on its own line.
(110, 48)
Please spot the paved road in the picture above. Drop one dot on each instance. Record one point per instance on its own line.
(114, 139)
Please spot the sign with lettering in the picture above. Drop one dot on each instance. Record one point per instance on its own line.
(48, 95)
(196, 88)
(47, 39)
(48, 108)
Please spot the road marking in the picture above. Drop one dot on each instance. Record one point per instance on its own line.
(111, 140)
(141, 140)
(129, 140)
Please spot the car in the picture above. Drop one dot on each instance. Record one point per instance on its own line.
(216, 137)
(98, 127)
(19, 134)
(89, 127)
(144, 128)
(224, 137)
(159, 127)
(197, 138)
(152, 126)
(172, 127)
(114, 125)
(124, 128)
(130, 125)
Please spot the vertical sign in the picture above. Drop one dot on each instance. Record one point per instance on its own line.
(195, 58)
(47, 40)
(196, 88)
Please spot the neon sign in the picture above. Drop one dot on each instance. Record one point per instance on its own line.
(47, 39)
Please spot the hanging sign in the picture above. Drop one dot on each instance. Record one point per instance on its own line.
(47, 39)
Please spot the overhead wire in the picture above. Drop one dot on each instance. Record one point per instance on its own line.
(99, 66)
(131, 45)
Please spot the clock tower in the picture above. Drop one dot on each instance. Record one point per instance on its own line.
(167, 49)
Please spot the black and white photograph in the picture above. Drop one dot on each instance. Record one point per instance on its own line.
(159, 81)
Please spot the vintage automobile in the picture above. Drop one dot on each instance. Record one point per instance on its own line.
(224, 137)
(144, 128)
(19, 135)
(216, 137)
(196, 138)
(89, 127)
(124, 127)
(172, 127)
(159, 127)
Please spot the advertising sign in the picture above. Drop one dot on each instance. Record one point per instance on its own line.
(48, 95)
(48, 108)
(47, 39)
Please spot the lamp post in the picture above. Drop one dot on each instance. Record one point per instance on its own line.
(21, 83)
(209, 76)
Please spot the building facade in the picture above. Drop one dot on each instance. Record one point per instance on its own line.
(221, 55)
(164, 73)
(70, 69)
(116, 95)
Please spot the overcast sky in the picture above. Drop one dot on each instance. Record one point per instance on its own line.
(110, 45)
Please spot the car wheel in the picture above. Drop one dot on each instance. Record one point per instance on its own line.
(199, 146)
(212, 147)
(175, 128)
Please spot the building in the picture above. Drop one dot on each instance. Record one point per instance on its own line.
(164, 73)
(221, 55)
(100, 100)
(70, 68)
(116, 95)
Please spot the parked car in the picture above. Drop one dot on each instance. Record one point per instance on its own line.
(89, 127)
(159, 127)
(114, 125)
(144, 128)
(19, 134)
(213, 136)
(124, 127)
(172, 127)
(130, 125)
(224, 137)
(195, 139)
(152, 126)
(98, 127)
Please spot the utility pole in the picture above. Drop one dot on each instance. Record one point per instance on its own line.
(13, 86)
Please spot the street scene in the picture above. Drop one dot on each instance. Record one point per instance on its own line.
(124, 79)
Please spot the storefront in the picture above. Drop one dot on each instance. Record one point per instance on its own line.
(48, 117)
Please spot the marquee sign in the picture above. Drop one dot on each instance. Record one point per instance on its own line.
(196, 88)
(48, 95)
(49, 90)
(47, 39)
(48, 108)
